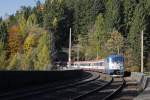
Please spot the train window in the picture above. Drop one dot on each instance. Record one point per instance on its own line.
(82, 64)
(117, 59)
(97, 64)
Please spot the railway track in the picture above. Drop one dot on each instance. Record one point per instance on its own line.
(106, 92)
(88, 89)
(70, 93)
(21, 93)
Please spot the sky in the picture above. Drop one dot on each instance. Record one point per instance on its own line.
(11, 6)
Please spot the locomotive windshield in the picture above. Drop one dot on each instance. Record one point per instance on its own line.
(115, 62)
(117, 59)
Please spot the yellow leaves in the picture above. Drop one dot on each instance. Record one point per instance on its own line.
(27, 60)
(30, 42)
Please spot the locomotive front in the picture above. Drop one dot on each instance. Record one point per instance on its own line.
(115, 65)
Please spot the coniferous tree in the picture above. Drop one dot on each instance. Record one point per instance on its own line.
(43, 60)
(54, 11)
(129, 7)
(112, 15)
(3, 33)
(134, 37)
(102, 34)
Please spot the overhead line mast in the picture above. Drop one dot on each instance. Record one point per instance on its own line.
(69, 58)
(142, 51)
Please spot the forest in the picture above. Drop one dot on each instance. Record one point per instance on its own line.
(34, 38)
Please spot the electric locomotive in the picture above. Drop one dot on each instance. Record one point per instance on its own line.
(114, 65)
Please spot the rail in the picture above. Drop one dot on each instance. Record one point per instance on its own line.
(46, 88)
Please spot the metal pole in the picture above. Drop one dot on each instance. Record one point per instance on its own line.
(142, 51)
(69, 58)
(78, 55)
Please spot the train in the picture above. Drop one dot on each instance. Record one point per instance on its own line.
(112, 65)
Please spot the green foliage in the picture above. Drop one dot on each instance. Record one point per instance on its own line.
(43, 60)
(2, 56)
(27, 62)
(129, 7)
(3, 32)
(84, 16)
(14, 62)
(101, 35)
(26, 11)
(53, 13)
(32, 20)
(22, 25)
(112, 15)
(134, 36)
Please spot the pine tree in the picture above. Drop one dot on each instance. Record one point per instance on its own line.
(4, 32)
(101, 34)
(53, 15)
(84, 16)
(112, 15)
(129, 7)
(134, 37)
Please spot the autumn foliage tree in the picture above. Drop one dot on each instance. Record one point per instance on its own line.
(115, 43)
(14, 40)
